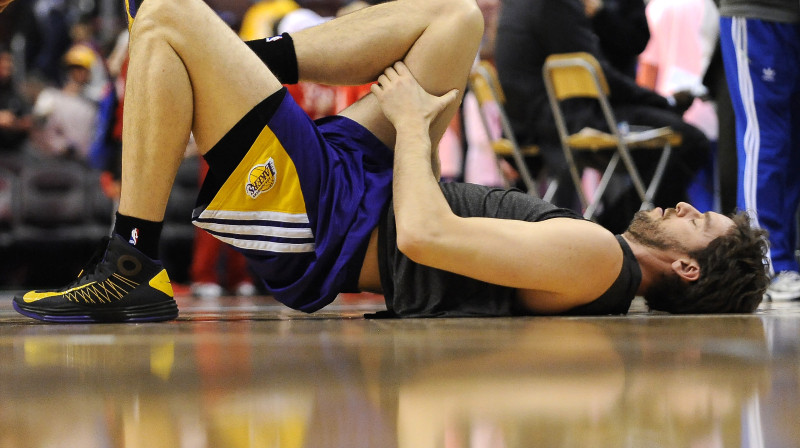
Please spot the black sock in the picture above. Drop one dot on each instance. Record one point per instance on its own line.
(278, 53)
(140, 233)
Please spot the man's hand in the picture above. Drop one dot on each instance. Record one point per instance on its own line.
(405, 102)
(683, 101)
(7, 118)
(4, 3)
(592, 6)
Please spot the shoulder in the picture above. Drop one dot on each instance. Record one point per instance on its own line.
(589, 253)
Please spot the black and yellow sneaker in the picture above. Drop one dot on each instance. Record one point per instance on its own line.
(120, 284)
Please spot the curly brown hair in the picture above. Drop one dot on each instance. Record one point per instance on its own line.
(733, 275)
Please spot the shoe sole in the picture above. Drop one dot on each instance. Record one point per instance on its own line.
(159, 312)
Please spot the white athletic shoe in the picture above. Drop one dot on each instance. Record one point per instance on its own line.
(246, 289)
(785, 286)
(206, 290)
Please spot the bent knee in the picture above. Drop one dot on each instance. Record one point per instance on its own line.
(467, 15)
(163, 15)
(442, 9)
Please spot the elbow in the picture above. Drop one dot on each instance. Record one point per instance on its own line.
(412, 242)
(419, 241)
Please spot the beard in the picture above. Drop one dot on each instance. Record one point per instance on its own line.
(646, 231)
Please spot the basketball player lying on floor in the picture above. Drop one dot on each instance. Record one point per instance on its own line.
(313, 205)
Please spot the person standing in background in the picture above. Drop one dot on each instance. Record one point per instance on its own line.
(15, 120)
(531, 30)
(64, 118)
(623, 31)
(683, 36)
(761, 51)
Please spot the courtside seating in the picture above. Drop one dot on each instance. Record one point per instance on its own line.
(53, 204)
(8, 193)
(579, 75)
(484, 83)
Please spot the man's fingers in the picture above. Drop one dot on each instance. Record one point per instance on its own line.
(449, 97)
(383, 80)
(390, 73)
(401, 68)
(445, 100)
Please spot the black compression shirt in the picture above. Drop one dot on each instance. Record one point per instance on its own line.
(414, 290)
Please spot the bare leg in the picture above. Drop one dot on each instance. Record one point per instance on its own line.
(188, 72)
(437, 39)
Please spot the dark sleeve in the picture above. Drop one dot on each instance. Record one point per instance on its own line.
(622, 27)
(566, 29)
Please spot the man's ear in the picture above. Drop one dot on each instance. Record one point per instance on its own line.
(687, 269)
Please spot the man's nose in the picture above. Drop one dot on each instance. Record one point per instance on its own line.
(685, 209)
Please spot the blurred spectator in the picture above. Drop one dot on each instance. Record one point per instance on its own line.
(17, 19)
(65, 119)
(683, 37)
(105, 154)
(621, 26)
(119, 54)
(15, 120)
(53, 38)
(491, 12)
(82, 33)
(531, 30)
(761, 50)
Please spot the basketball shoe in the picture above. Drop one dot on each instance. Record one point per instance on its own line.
(120, 284)
(785, 286)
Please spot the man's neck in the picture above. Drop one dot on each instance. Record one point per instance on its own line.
(652, 262)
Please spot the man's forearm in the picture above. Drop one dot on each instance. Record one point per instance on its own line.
(419, 204)
(415, 183)
(421, 211)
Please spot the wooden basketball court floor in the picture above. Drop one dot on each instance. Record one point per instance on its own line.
(247, 372)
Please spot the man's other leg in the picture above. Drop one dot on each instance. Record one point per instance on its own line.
(173, 88)
(437, 39)
(188, 72)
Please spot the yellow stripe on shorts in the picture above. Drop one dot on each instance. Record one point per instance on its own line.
(261, 199)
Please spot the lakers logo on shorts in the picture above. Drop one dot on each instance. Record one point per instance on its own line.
(261, 179)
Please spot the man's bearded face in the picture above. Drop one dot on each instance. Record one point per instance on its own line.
(647, 231)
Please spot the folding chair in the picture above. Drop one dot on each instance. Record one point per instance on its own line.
(579, 75)
(484, 83)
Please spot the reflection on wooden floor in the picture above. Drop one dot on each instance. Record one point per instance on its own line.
(243, 372)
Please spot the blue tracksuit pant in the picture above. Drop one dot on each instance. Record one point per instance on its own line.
(762, 65)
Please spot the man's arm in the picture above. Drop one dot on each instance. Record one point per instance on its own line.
(545, 256)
